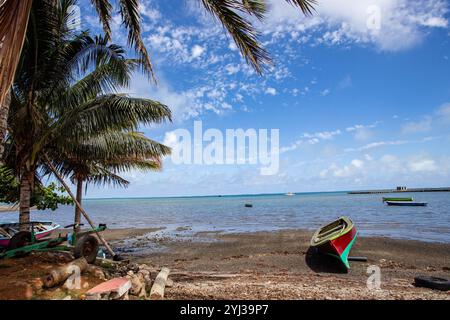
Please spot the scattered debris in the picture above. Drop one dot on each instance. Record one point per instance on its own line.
(112, 289)
(432, 283)
(157, 291)
(60, 274)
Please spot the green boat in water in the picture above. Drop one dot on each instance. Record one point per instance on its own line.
(397, 199)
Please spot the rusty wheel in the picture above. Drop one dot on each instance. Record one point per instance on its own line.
(19, 240)
(87, 247)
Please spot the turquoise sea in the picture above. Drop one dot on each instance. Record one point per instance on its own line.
(269, 212)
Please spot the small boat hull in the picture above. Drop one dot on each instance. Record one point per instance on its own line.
(406, 203)
(46, 230)
(336, 239)
(397, 199)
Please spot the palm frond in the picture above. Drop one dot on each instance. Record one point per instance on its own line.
(228, 12)
(257, 8)
(129, 10)
(115, 145)
(104, 9)
(307, 6)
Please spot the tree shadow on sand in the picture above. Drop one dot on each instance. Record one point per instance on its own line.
(319, 262)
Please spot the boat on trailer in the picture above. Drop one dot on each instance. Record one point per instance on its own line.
(406, 203)
(41, 230)
(397, 199)
(336, 239)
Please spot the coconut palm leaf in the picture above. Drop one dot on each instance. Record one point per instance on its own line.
(307, 6)
(229, 13)
(258, 8)
(104, 9)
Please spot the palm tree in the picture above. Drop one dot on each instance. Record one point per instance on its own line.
(65, 92)
(14, 17)
(100, 159)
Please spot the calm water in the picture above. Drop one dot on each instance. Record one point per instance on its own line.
(270, 212)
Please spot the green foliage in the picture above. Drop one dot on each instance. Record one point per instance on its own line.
(44, 197)
(50, 197)
(9, 187)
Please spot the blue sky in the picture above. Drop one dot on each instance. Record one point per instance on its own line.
(357, 107)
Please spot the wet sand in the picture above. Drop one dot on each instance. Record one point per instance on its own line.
(9, 209)
(277, 265)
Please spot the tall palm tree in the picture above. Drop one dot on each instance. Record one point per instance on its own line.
(65, 91)
(100, 159)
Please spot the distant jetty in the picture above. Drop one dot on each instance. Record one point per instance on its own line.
(401, 189)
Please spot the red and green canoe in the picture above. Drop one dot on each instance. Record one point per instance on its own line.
(336, 239)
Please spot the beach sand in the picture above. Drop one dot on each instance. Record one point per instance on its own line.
(9, 209)
(261, 265)
(277, 265)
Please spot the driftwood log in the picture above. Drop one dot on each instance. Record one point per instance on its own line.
(61, 273)
(157, 291)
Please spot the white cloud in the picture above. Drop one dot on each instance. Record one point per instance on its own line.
(197, 51)
(418, 127)
(386, 168)
(311, 139)
(380, 144)
(435, 22)
(148, 10)
(184, 104)
(271, 91)
(353, 169)
(402, 23)
(422, 165)
(170, 139)
(444, 112)
(362, 132)
(232, 68)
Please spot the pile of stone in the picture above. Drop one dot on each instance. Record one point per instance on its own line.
(120, 280)
(130, 281)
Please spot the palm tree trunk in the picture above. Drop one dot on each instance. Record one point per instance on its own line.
(77, 219)
(14, 17)
(26, 186)
(4, 125)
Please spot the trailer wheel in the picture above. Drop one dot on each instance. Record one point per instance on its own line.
(20, 239)
(87, 247)
(432, 283)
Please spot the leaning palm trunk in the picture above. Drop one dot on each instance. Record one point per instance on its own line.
(26, 187)
(4, 124)
(14, 17)
(77, 219)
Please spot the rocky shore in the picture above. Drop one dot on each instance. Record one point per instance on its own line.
(212, 265)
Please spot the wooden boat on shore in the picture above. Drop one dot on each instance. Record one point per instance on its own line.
(336, 239)
(406, 203)
(41, 229)
(397, 199)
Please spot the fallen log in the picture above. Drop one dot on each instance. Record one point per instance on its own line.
(60, 274)
(157, 291)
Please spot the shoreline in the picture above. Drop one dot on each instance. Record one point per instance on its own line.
(277, 265)
(247, 266)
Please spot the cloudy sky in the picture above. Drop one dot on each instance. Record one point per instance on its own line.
(360, 93)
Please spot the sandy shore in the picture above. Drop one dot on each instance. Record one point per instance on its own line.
(9, 209)
(277, 265)
(262, 265)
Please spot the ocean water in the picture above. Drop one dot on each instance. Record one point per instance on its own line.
(269, 212)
